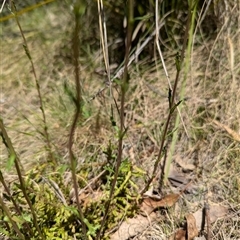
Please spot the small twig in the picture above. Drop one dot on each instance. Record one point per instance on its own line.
(162, 175)
(207, 216)
(56, 189)
(94, 180)
(2, 5)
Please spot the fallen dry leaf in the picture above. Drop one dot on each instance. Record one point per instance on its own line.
(192, 230)
(180, 234)
(177, 179)
(184, 165)
(149, 204)
(216, 211)
(190, 233)
(133, 226)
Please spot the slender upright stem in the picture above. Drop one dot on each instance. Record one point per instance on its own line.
(51, 157)
(78, 114)
(13, 154)
(124, 85)
(171, 105)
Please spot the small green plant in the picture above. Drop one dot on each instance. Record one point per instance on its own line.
(51, 158)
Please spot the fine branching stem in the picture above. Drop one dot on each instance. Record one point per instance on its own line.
(12, 153)
(17, 207)
(9, 215)
(124, 86)
(172, 95)
(51, 157)
(78, 114)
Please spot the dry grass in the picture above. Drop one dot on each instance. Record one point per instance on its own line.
(212, 93)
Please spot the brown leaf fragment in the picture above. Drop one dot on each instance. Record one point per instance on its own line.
(146, 206)
(184, 164)
(180, 234)
(132, 227)
(177, 179)
(192, 230)
(149, 204)
(216, 211)
(168, 201)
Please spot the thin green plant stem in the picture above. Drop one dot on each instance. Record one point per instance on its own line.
(172, 107)
(78, 114)
(124, 85)
(163, 62)
(8, 214)
(17, 207)
(192, 15)
(9, 193)
(48, 146)
(12, 153)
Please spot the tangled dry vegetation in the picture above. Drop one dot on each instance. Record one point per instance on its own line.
(205, 168)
